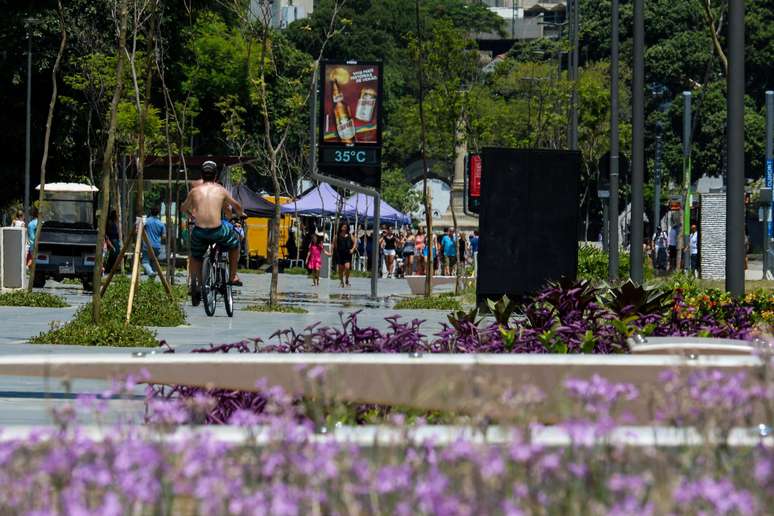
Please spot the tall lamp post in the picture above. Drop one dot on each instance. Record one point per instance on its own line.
(612, 210)
(572, 69)
(688, 201)
(29, 23)
(735, 250)
(638, 151)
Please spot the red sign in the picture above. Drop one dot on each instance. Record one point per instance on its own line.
(475, 175)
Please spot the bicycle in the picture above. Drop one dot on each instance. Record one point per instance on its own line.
(214, 282)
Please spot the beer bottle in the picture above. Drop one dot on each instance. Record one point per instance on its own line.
(345, 127)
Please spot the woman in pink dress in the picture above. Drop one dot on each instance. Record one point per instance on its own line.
(314, 258)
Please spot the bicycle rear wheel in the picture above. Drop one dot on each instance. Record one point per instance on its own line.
(209, 285)
(228, 297)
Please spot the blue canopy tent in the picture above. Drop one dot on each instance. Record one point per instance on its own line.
(363, 206)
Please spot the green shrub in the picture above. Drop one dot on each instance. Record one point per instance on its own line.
(151, 306)
(34, 299)
(109, 333)
(443, 302)
(266, 307)
(592, 264)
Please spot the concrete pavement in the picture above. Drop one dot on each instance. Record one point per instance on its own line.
(26, 400)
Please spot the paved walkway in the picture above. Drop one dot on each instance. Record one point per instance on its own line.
(23, 400)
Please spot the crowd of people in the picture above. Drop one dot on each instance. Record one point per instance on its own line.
(665, 248)
(402, 251)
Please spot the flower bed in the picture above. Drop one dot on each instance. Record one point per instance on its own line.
(564, 318)
(293, 471)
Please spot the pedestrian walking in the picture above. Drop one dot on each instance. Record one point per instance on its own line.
(343, 249)
(449, 245)
(314, 260)
(18, 220)
(389, 244)
(672, 241)
(660, 258)
(155, 230)
(32, 228)
(419, 250)
(409, 249)
(462, 255)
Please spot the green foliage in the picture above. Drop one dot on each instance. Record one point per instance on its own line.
(428, 303)
(285, 309)
(502, 309)
(592, 263)
(81, 332)
(459, 318)
(630, 298)
(33, 299)
(398, 192)
(151, 307)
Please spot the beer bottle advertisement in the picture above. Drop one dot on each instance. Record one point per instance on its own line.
(351, 97)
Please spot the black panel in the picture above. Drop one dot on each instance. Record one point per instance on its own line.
(528, 220)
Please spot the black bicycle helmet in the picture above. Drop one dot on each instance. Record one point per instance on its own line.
(209, 170)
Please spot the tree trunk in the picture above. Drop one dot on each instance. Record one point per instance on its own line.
(47, 139)
(423, 151)
(274, 233)
(107, 161)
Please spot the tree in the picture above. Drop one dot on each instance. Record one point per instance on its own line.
(44, 161)
(107, 159)
(398, 192)
(282, 82)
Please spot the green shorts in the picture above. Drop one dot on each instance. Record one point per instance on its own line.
(202, 238)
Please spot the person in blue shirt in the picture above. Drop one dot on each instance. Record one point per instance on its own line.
(474, 243)
(32, 227)
(449, 245)
(155, 229)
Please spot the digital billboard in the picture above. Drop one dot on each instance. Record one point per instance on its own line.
(350, 121)
(351, 100)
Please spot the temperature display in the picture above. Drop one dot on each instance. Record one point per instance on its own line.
(349, 156)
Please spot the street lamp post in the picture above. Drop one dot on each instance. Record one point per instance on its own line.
(574, 25)
(612, 211)
(29, 22)
(657, 181)
(687, 180)
(638, 151)
(735, 183)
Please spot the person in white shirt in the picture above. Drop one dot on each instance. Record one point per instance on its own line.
(18, 220)
(694, 245)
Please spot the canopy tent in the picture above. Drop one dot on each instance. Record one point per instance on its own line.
(363, 206)
(253, 204)
(321, 200)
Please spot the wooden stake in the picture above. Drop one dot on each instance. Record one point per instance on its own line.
(156, 265)
(118, 261)
(135, 272)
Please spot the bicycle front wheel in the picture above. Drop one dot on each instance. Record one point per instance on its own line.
(209, 286)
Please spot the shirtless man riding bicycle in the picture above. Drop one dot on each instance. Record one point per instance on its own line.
(205, 205)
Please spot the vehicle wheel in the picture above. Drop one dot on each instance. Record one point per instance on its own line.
(39, 281)
(88, 284)
(209, 286)
(228, 298)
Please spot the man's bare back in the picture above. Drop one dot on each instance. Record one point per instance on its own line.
(205, 203)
